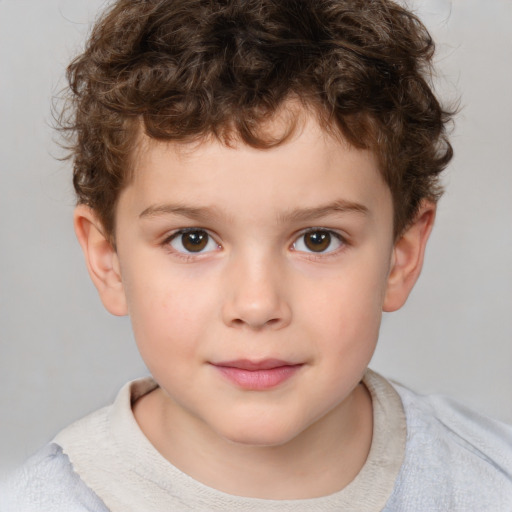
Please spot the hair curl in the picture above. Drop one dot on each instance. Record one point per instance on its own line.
(186, 69)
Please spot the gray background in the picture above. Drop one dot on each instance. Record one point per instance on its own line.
(62, 355)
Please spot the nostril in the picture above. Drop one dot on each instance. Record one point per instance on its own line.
(239, 322)
(256, 303)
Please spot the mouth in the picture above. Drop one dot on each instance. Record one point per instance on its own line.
(257, 375)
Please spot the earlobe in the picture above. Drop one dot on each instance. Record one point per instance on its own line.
(407, 258)
(101, 260)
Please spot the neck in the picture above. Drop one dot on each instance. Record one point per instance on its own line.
(319, 461)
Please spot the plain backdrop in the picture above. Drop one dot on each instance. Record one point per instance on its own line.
(62, 355)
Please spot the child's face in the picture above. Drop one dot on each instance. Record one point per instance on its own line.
(255, 279)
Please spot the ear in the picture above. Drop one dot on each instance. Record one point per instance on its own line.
(101, 259)
(407, 258)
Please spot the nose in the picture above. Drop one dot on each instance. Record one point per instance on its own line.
(256, 295)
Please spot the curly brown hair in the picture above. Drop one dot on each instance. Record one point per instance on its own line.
(187, 69)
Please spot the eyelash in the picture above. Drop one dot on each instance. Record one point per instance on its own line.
(187, 256)
(191, 255)
(312, 255)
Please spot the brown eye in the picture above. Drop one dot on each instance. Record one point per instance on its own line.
(193, 241)
(317, 241)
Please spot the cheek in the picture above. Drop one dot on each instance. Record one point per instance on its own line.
(347, 307)
(168, 316)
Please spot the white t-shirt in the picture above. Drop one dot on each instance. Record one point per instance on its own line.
(427, 454)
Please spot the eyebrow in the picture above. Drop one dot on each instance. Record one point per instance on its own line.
(338, 206)
(295, 215)
(182, 210)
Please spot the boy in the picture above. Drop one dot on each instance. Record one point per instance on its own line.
(257, 182)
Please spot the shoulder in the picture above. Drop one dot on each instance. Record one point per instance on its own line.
(457, 428)
(455, 459)
(47, 483)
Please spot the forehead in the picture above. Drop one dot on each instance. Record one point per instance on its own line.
(294, 117)
(309, 168)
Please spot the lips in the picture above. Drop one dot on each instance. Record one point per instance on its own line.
(257, 375)
(246, 364)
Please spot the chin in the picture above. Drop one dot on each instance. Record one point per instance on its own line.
(259, 440)
(260, 433)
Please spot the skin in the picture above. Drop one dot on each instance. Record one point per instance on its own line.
(257, 291)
